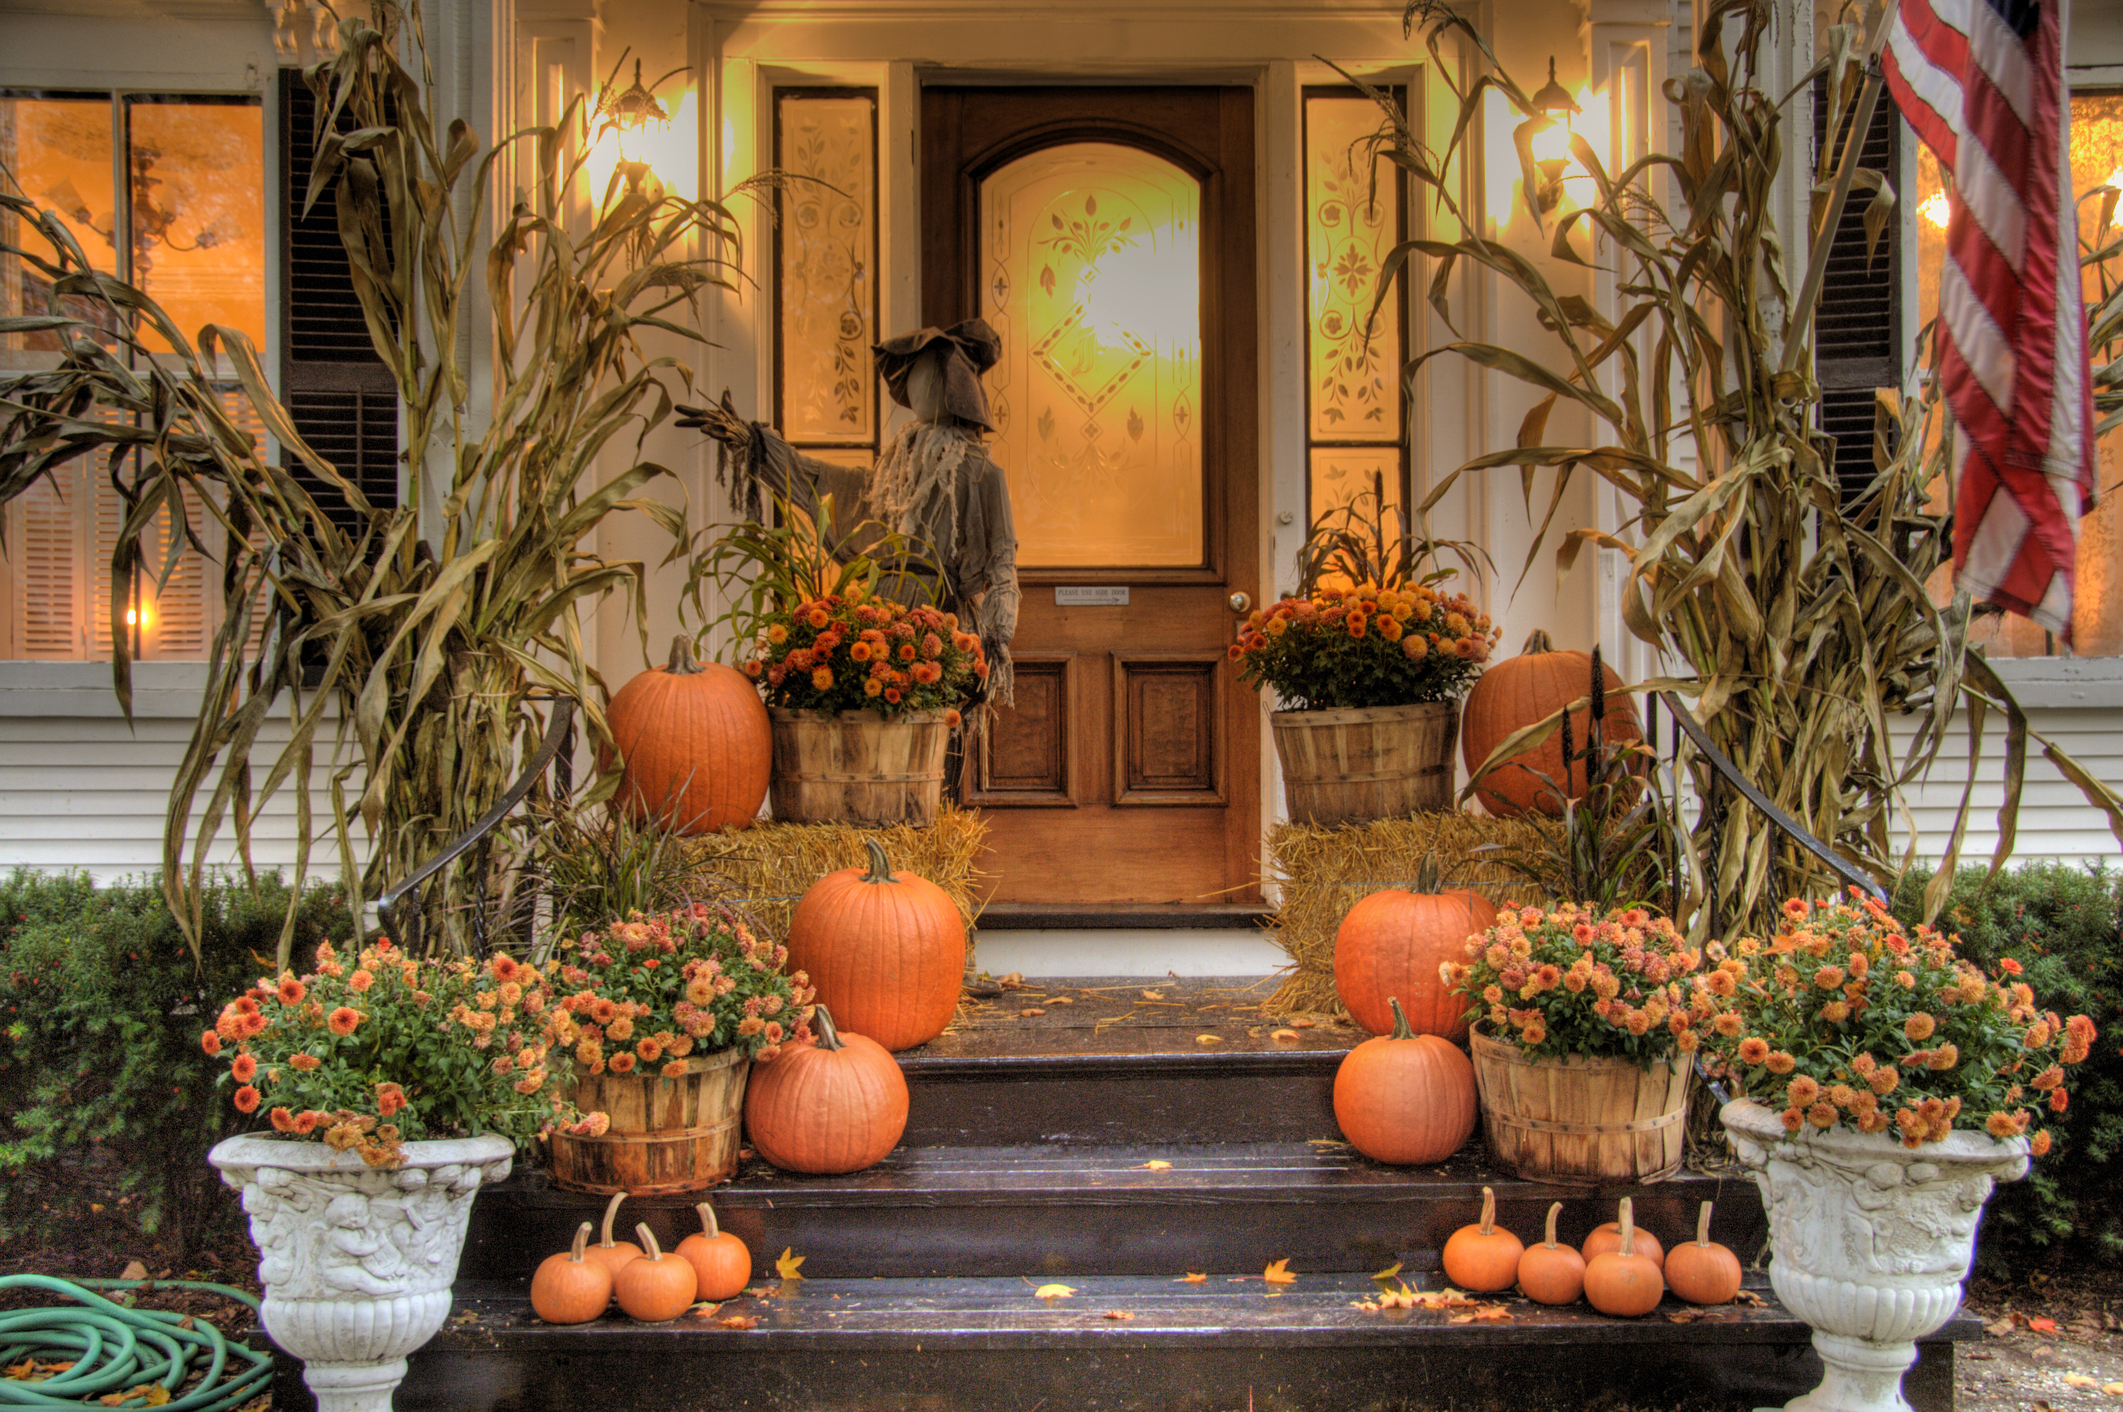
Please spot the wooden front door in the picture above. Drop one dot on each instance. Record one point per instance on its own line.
(1108, 235)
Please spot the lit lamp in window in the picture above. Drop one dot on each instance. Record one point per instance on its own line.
(1544, 139)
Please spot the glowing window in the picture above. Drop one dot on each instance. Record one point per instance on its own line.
(1091, 274)
(825, 266)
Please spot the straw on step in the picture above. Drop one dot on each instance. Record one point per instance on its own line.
(1324, 871)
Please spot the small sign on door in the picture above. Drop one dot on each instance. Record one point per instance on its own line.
(1091, 597)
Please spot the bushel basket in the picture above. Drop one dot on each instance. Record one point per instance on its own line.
(668, 1135)
(1580, 1120)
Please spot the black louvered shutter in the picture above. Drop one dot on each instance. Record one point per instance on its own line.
(1858, 327)
(335, 387)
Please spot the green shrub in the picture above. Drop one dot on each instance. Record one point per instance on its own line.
(107, 1105)
(2065, 925)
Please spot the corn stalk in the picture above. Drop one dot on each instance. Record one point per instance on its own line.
(407, 665)
(1803, 624)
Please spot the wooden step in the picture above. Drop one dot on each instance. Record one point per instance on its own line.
(1218, 1346)
(1225, 1209)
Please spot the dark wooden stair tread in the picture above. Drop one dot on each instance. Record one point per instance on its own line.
(1318, 1309)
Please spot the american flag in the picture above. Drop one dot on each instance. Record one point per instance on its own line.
(1982, 82)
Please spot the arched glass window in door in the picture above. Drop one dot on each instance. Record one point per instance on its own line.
(1091, 274)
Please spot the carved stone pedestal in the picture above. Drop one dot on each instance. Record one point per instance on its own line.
(357, 1262)
(1870, 1242)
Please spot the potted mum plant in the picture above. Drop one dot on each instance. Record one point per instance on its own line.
(1368, 662)
(395, 1088)
(865, 678)
(1886, 1083)
(656, 1021)
(1583, 1030)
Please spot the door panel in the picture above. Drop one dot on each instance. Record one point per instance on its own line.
(1109, 236)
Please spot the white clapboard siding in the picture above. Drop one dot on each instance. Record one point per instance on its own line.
(2055, 819)
(80, 788)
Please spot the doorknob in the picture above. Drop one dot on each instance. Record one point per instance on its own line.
(1240, 602)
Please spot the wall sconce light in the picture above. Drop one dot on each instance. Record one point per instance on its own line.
(1543, 140)
(633, 119)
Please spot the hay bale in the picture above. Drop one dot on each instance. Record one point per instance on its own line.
(1323, 871)
(763, 869)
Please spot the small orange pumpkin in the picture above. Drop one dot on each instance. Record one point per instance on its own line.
(1623, 1282)
(1483, 1257)
(1520, 691)
(657, 1287)
(569, 1289)
(1550, 1273)
(837, 1105)
(720, 1261)
(613, 1255)
(885, 950)
(697, 744)
(1607, 1238)
(1393, 942)
(1404, 1097)
(1701, 1271)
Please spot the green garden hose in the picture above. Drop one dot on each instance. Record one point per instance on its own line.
(114, 1349)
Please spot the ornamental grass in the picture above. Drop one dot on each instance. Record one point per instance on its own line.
(1843, 1020)
(1322, 871)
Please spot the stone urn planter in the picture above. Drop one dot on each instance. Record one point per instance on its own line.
(356, 1261)
(1870, 1241)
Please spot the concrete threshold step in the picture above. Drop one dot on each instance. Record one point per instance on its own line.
(882, 1345)
(1226, 1209)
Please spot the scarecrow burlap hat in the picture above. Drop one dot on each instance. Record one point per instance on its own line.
(973, 348)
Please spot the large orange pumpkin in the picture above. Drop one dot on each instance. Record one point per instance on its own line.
(886, 951)
(1392, 943)
(696, 742)
(1521, 691)
(1404, 1097)
(838, 1105)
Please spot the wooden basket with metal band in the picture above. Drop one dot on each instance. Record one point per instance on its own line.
(667, 1135)
(1581, 1120)
(1375, 762)
(857, 767)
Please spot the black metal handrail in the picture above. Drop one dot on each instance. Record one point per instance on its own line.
(1797, 832)
(558, 743)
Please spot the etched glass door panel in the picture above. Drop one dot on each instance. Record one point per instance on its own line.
(1091, 275)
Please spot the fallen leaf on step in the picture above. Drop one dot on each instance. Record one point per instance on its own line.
(2112, 1389)
(1748, 1296)
(1059, 1000)
(1278, 1273)
(2081, 1380)
(465, 1316)
(133, 1270)
(762, 1292)
(1304, 1024)
(1014, 981)
(2043, 1326)
(1208, 1039)
(1153, 995)
(1684, 1316)
(1492, 1314)
(1118, 1314)
(704, 1310)
(1192, 1278)
(790, 1265)
(1052, 1292)
(1389, 1272)
(1998, 1328)
(1029, 1013)
(1285, 1036)
(740, 1321)
(1155, 1164)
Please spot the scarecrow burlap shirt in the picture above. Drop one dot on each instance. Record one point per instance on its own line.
(962, 508)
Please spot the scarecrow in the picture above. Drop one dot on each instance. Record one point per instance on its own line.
(934, 481)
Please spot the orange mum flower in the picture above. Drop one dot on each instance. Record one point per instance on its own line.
(244, 1069)
(210, 1042)
(360, 981)
(283, 1121)
(1781, 1063)
(1920, 1027)
(1753, 1049)
(246, 1099)
(2039, 1143)
(292, 990)
(343, 1020)
(304, 1061)
(621, 1063)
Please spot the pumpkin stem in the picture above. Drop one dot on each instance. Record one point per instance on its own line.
(683, 663)
(828, 1032)
(1427, 875)
(611, 1209)
(880, 867)
(1628, 1224)
(708, 1226)
(1401, 1028)
(1702, 1225)
(1536, 643)
(1488, 1211)
(1555, 1209)
(582, 1237)
(648, 1241)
